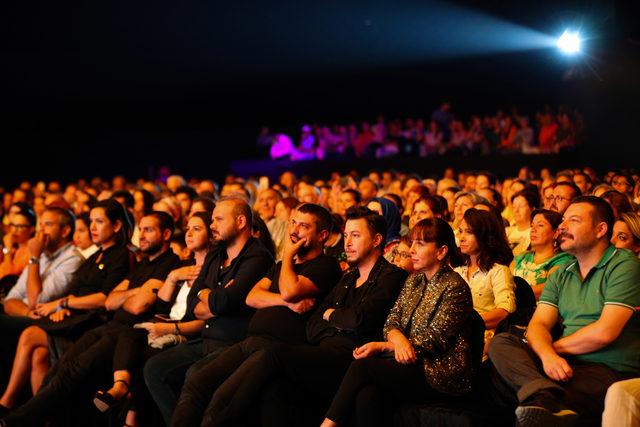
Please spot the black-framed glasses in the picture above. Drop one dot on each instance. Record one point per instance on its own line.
(402, 254)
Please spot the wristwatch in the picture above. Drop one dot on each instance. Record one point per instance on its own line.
(33, 260)
(6, 250)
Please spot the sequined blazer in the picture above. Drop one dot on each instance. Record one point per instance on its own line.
(434, 316)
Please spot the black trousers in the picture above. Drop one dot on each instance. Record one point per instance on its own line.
(521, 370)
(371, 385)
(76, 374)
(316, 369)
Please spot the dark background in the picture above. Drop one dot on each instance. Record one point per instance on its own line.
(125, 87)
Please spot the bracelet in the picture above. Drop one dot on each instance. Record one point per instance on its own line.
(64, 303)
(177, 328)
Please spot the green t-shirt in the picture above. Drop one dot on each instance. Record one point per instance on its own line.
(614, 280)
(536, 274)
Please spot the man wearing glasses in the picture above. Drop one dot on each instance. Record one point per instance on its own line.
(563, 194)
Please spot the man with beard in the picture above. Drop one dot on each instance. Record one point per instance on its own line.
(555, 377)
(283, 299)
(217, 296)
(89, 359)
(352, 314)
(52, 262)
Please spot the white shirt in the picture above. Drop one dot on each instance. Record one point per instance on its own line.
(492, 289)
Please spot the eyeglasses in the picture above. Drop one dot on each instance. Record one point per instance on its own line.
(404, 255)
(19, 226)
(556, 198)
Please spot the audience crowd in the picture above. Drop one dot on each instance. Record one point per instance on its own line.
(326, 302)
(548, 131)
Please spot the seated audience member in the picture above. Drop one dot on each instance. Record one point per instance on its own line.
(401, 255)
(622, 404)
(522, 203)
(334, 246)
(82, 236)
(391, 215)
(260, 231)
(137, 344)
(63, 320)
(52, 261)
(426, 207)
(557, 378)
(583, 182)
(91, 356)
(368, 190)
(202, 204)
(563, 194)
(347, 199)
(307, 193)
(185, 195)
(430, 342)
(600, 189)
(545, 256)
(619, 202)
(623, 183)
(15, 251)
(284, 299)
(352, 314)
(266, 206)
(285, 207)
(626, 232)
(463, 201)
(236, 263)
(487, 256)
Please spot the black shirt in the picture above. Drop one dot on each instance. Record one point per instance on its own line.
(227, 303)
(360, 312)
(283, 323)
(102, 271)
(159, 268)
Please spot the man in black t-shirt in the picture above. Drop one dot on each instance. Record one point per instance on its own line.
(217, 296)
(90, 357)
(283, 300)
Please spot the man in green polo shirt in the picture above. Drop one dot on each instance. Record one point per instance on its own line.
(594, 298)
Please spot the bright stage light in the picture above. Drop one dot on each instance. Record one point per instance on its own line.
(569, 42)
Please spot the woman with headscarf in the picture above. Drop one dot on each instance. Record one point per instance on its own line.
(391, 214)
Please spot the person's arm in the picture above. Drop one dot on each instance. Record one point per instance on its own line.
(59, 278)
(140, 301)
(201, 311)
(15, 307)
(158, 329)
(34, 281)
(596, 335)
(167, 291)
(119, 295)
(229, 298)
(261, 297)
(376, 306)
(85, 302)
(493, 317)
(541, 342)
(293, 287)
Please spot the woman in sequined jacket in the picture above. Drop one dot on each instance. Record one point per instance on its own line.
(427, 352)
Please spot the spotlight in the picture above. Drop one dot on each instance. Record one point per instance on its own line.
(569, 42)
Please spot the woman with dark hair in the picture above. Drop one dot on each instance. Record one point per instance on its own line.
(545, 256)
(15, 254)
(484, 246)
(142, 203)
(65, 319)
(391, 215)
(136, 345)
(427, 352)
